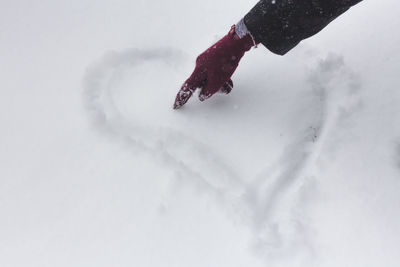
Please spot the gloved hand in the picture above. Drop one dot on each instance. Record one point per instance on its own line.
(215, 67)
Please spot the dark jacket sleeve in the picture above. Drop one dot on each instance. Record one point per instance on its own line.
(281, 24)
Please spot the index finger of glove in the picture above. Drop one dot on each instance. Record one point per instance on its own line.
(196, 80)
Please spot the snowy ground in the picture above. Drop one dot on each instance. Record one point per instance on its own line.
(298, 166)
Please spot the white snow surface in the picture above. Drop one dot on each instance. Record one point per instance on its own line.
(298, 166)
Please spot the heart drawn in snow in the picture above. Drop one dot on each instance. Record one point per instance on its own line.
(250, 149)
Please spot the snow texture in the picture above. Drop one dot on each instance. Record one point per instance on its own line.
(298, 166)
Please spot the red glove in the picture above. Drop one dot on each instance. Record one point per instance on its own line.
(215, 67)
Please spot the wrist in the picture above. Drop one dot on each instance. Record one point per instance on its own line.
(242, 32)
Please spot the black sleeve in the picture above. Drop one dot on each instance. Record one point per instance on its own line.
(281, 24)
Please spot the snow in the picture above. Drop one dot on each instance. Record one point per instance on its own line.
(298, 166)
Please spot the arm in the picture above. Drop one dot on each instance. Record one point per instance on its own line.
(278, 24)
